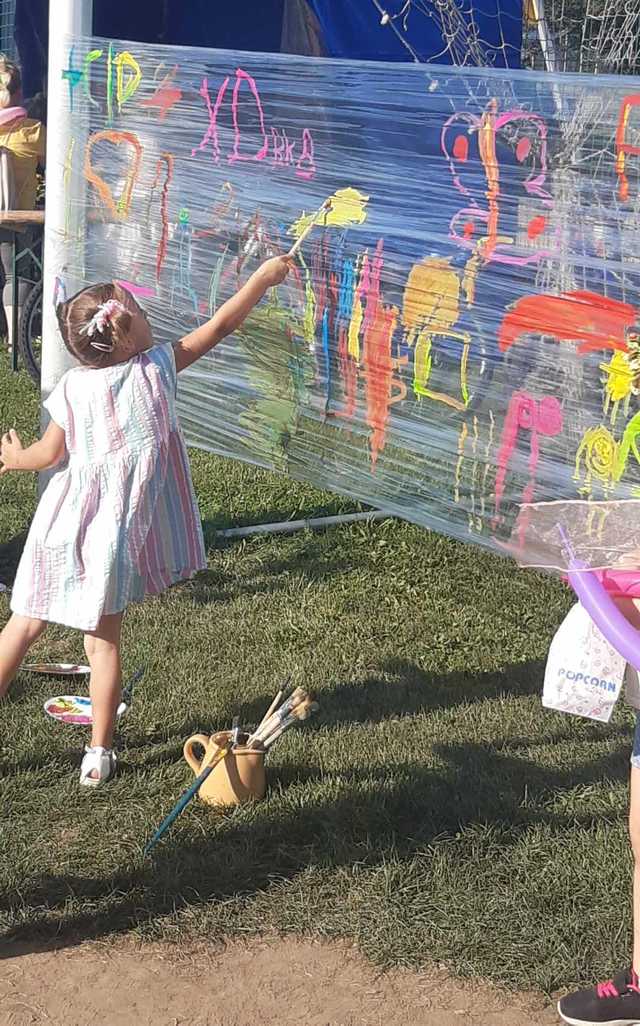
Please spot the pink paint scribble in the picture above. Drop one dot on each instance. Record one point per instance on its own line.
(136, 290)
(536, 417)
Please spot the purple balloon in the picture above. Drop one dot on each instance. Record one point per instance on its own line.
(605, 613)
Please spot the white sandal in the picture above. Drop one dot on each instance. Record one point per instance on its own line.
(99, 760)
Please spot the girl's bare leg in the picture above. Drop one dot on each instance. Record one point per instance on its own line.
(103, 652)
(634, 831)
(15, 641)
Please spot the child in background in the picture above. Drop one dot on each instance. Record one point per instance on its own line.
(119, 521)
(616, 1002)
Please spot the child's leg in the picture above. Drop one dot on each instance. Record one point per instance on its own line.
(15, 641)
(634, 833)
(103, 652)
(617, 1001)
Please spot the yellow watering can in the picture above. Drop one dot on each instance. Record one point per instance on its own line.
(238, 778)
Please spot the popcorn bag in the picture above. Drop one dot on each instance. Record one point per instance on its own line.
(584, 674)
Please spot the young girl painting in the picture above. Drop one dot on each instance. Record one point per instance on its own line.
(119, 519)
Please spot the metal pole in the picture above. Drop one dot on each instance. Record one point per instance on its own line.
(311, 524)
(66, 18)
(544, 35)
(14, 301)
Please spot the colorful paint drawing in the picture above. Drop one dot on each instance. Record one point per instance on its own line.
(597, 460)
(430, 310)
(182, 289)
(535, 418)
(602, 459)
(455, 340)
(119, 209)
(254, 143)
(594, 322)
(167, 94)
(618, 384)
(624, 148)
(348, 207)
(521, 135)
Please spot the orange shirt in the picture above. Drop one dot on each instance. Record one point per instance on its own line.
(27, 141)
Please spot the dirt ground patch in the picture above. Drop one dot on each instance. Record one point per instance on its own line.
(259, 981)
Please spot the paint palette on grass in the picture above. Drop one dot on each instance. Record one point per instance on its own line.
(74, 709)
(57, 669)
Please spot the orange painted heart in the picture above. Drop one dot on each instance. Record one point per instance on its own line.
(119, 208)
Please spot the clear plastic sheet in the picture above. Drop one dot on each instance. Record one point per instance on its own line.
(456, 345)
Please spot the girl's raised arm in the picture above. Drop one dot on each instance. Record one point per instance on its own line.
(231, 315)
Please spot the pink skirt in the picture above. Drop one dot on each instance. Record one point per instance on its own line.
(621, 583)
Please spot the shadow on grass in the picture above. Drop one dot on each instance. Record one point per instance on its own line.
(374, 815)
(10, 553)
(406, 690)
(311, 557)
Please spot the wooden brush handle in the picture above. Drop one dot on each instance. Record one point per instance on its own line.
(324, 209)
(267, 725)
(270, 710)
(302, 712)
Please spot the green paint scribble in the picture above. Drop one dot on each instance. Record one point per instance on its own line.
(215, 282)
(110, 85)
(281, 372)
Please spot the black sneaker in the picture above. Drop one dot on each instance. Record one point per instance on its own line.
(615, 1002)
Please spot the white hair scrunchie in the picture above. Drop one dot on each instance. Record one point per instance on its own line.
(101, 318)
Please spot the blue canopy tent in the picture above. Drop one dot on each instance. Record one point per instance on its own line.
(333, 28)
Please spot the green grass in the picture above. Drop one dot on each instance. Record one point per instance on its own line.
(432, 811)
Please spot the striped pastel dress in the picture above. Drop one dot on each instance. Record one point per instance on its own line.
(120, 520)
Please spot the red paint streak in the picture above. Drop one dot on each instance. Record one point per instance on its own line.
(623, 148)
(166, 158)
(378, 374)
(523, 149)
(536, 226)
(166, 95)
(469, 229)
(378, 327)
(372, 307)
(461, 148)
(244, 76)
(585, 317)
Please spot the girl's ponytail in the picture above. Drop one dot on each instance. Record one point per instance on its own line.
(93, 322)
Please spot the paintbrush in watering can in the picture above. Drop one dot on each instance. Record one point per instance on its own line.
(274, 705)
(298, 715)
(190, 792)
(270, 722)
